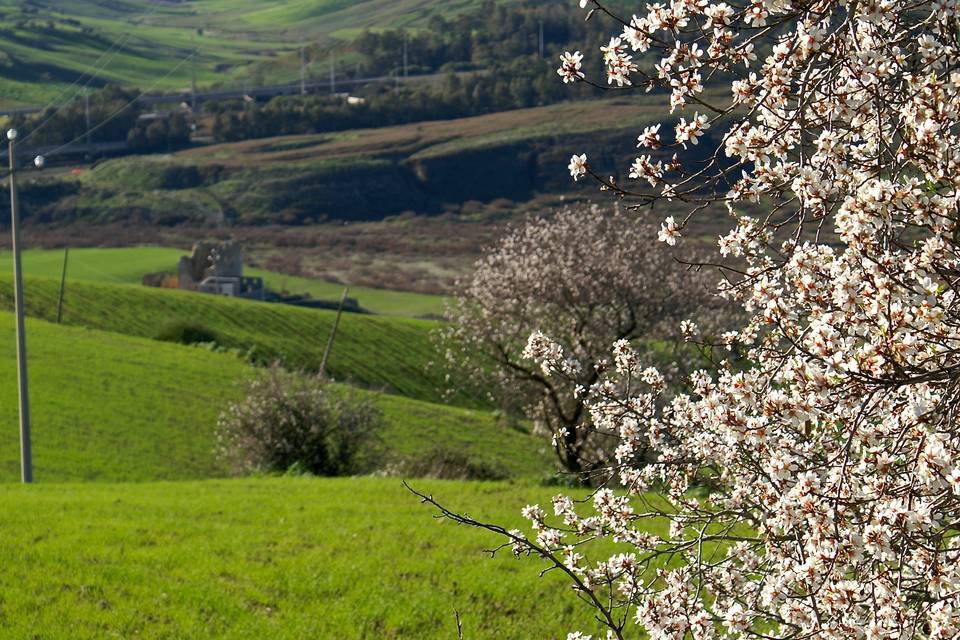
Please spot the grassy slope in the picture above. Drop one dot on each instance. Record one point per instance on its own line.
(418, 140)
(155, 37)
(270, 558)
(415, 167)
(392, 354)
(111, 407)
(128, 266)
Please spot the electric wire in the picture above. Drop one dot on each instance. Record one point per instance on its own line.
(118, 111)
(91, 73)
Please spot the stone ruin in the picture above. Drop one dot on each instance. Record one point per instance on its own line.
(217, 267)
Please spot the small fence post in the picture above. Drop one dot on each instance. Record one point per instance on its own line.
(333, 334)
(63, 284)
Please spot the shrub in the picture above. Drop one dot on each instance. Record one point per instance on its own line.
(289, 420)
(188, 333)
(448, 464)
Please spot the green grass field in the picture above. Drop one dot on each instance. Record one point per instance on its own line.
(111, 407)
(116, 408)
(44, 47)
(128, 266)
(390, 354)
(286, 558)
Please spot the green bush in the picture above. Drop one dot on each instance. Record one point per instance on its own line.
(188, 333)
(296, 422)
(445, 463)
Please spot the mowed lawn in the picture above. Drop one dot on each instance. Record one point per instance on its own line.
(128, 265)
(282, 558)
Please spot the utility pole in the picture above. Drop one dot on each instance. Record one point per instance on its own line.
(404, 54)
(193, 81)
(303, 73)
(541, 39)
(333, 76)
(86, 101)
(26, 462)
(63, 284)
(333, 333)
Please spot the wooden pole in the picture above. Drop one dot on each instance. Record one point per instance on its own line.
(63, 284)
(333, 334)
(26, 462)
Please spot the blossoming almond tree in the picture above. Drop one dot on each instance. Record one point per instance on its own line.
(588, 276)
(833, 457)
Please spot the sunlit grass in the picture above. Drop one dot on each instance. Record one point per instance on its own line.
(270, 558)
(110, 407)
(128, 265)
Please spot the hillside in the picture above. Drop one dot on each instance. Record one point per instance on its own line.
(262, 558)
(390, 354)
(128, 265)
(354, 175)
(45, 45)
(109, 407)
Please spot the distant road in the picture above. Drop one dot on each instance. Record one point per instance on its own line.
(268, 91)
(74, 150)
(18, 110)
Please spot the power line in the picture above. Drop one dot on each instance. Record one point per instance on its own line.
(99, 65)
(122, 108)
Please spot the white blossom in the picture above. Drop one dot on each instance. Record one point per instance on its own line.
(825, 448)
(578, 166)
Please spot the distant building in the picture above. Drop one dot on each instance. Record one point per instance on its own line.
(217, 267)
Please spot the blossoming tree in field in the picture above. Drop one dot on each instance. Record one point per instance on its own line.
(586, 276)
(833, 458)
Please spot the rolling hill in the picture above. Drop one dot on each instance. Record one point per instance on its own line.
(45, 45)
(109, 407)
(128, 265)
(363, 174)
(381, 353)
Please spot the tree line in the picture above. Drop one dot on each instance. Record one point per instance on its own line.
(491, 60)
(114, 115)
(524, 83)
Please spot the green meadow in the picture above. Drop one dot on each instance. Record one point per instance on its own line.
(278, 558)
(128, 265)
(110, 407)
(98, 548)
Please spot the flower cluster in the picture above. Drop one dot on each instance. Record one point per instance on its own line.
(570, 66)
(825, 452)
